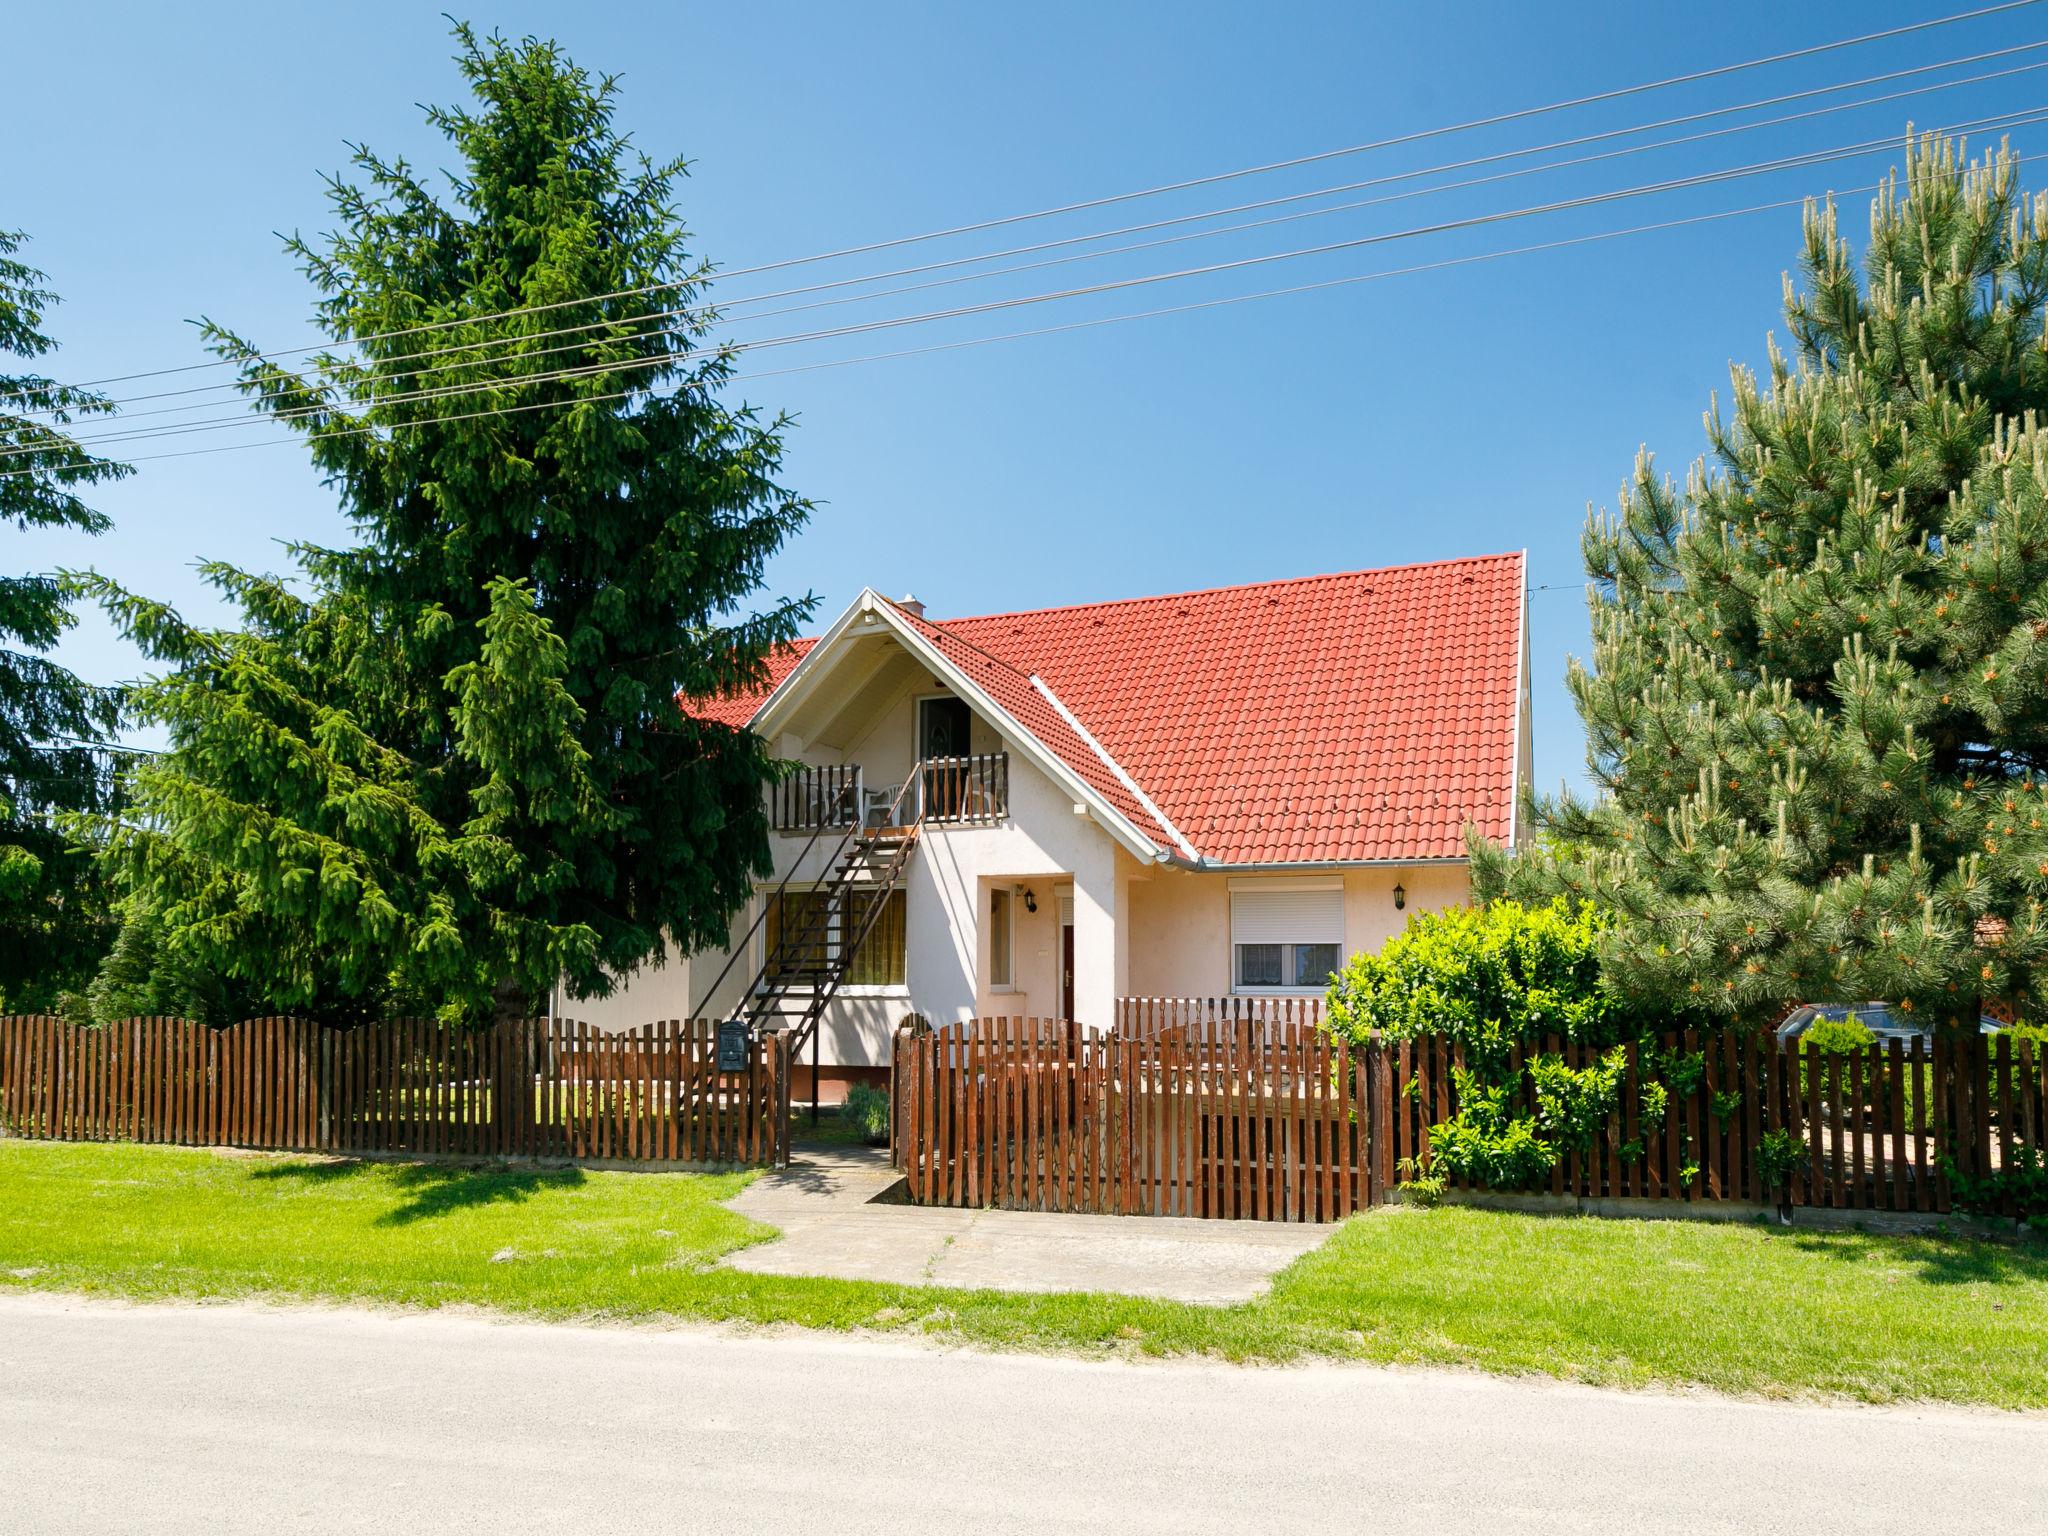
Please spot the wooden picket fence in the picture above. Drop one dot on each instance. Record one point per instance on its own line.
(1870, 1128)
(551, 1088)
(1196, 1112)
(1032, 1114)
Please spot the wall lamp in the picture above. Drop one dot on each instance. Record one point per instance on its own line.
(1400, 897)
(1030, 901)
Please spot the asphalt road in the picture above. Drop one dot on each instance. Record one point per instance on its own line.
(230, 1419)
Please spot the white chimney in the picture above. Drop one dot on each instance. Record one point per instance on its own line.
(910, 605)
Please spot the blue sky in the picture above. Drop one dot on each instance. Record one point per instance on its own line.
(1459, 411)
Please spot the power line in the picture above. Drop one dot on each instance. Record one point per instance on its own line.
(1074, 325)
(668, 359)
(1495, 120)
(389, 367)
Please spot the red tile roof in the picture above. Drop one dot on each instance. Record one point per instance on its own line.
(1362, 716)
(1012, 689)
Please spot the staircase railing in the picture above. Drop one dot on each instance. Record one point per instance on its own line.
(820, 923)
(776, 979)
(773, 984)
(746, 941)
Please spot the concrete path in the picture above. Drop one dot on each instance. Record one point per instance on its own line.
(833, 1224)
(231, 1420)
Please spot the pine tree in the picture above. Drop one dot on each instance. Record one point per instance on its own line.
(1817, 710)
(54, 917)
(456, 771)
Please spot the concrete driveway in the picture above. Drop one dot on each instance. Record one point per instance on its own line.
(832, 1207)
(232, 1420)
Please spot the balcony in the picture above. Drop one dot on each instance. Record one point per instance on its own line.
(941, 791)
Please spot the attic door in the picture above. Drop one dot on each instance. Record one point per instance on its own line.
(944, 729)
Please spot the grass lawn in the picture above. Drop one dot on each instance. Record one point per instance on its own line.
(1737, 1307)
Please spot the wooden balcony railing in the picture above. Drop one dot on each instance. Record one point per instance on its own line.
(958, 790)
(949, 791)
(813, 797)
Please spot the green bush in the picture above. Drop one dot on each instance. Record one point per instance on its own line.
(2023, 1183)
(1488, 978)
(1829, 1037)
(1837, 1036)
(1778, 1154)
(1572, 1104)
(2034, 1032)
(867, 1110)
(1486, 1142)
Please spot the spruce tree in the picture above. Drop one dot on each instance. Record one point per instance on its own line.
(1817, 709)
(446, 766)
(54, 917)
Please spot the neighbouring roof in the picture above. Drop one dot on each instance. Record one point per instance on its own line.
(1366, 716)
(738, 708)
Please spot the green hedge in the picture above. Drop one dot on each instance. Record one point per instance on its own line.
(1490, 979)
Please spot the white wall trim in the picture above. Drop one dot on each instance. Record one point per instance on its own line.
(1074, 724)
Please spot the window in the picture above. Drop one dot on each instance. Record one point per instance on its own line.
(1286, 935)
(796, 918)
(999, 936)
(880, 961)
(816, 934)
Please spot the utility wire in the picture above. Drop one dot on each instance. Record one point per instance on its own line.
(669, 359)
(352, 378)
(1075, 325)
(1495, 120)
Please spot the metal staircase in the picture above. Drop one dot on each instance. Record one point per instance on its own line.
(808, 962)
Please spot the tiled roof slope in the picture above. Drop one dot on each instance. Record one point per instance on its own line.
(1011, 688)
(1360, 716)
(1326, 719)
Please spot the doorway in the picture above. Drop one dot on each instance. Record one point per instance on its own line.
(1067, 968)
(944, 729)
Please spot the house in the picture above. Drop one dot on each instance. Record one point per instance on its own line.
(1217, 793)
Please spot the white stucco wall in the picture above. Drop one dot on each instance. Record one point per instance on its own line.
(1043, 845)
(1179, 927)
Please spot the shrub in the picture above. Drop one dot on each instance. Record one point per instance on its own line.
(2023, 1183)
(1487, 1143)
(1490, 979)
(2034, 1032)
(1837, 1036)
(1830, 1037)
(1778, 1153)
(1487, 977)
(1572, 1105)
(867, 1110)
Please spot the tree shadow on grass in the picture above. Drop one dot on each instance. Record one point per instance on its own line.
(435, 1189)
(1937, 1258)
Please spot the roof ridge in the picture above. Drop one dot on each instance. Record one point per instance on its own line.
(940, 626)
(1239, 586)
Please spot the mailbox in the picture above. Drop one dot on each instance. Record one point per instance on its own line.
(735, 1041)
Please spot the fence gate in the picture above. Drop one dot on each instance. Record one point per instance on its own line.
(1032, 1114)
